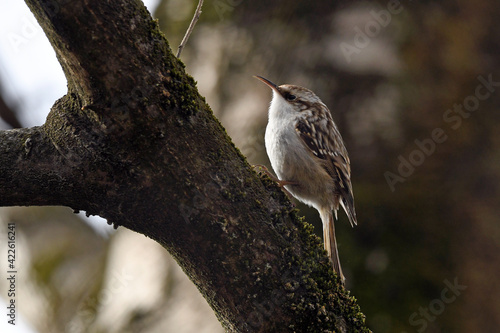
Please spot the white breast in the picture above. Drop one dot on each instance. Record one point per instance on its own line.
(280, 137)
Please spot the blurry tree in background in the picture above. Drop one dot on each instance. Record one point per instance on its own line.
(401, 79)
(8, 114)
(414, 88)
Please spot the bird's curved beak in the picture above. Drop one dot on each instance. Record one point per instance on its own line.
(267, 82)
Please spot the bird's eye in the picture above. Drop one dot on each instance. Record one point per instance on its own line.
(290, 97)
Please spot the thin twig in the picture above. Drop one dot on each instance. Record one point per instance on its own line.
(196, 16)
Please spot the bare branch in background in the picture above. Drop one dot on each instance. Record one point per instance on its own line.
(8, 114)
(190, 29)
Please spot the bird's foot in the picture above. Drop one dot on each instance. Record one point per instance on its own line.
(281, 183)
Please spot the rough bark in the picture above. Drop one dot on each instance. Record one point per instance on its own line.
(134, 142)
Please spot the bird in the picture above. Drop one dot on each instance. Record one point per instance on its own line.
(309, 157)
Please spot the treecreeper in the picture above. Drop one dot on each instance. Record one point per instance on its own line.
(309, 157)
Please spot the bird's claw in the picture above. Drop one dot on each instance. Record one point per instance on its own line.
(281, 183)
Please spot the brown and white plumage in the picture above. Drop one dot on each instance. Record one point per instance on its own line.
(307, 153)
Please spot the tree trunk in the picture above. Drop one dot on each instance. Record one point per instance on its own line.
(134, 142)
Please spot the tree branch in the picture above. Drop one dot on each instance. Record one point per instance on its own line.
(190, 29)
(144, 151)
(32, 171)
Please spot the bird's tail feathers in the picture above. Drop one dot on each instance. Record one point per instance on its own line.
(331, 242)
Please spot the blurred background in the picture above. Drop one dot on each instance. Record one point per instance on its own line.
(413, 87)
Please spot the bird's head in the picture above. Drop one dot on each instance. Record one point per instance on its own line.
(290, 97)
